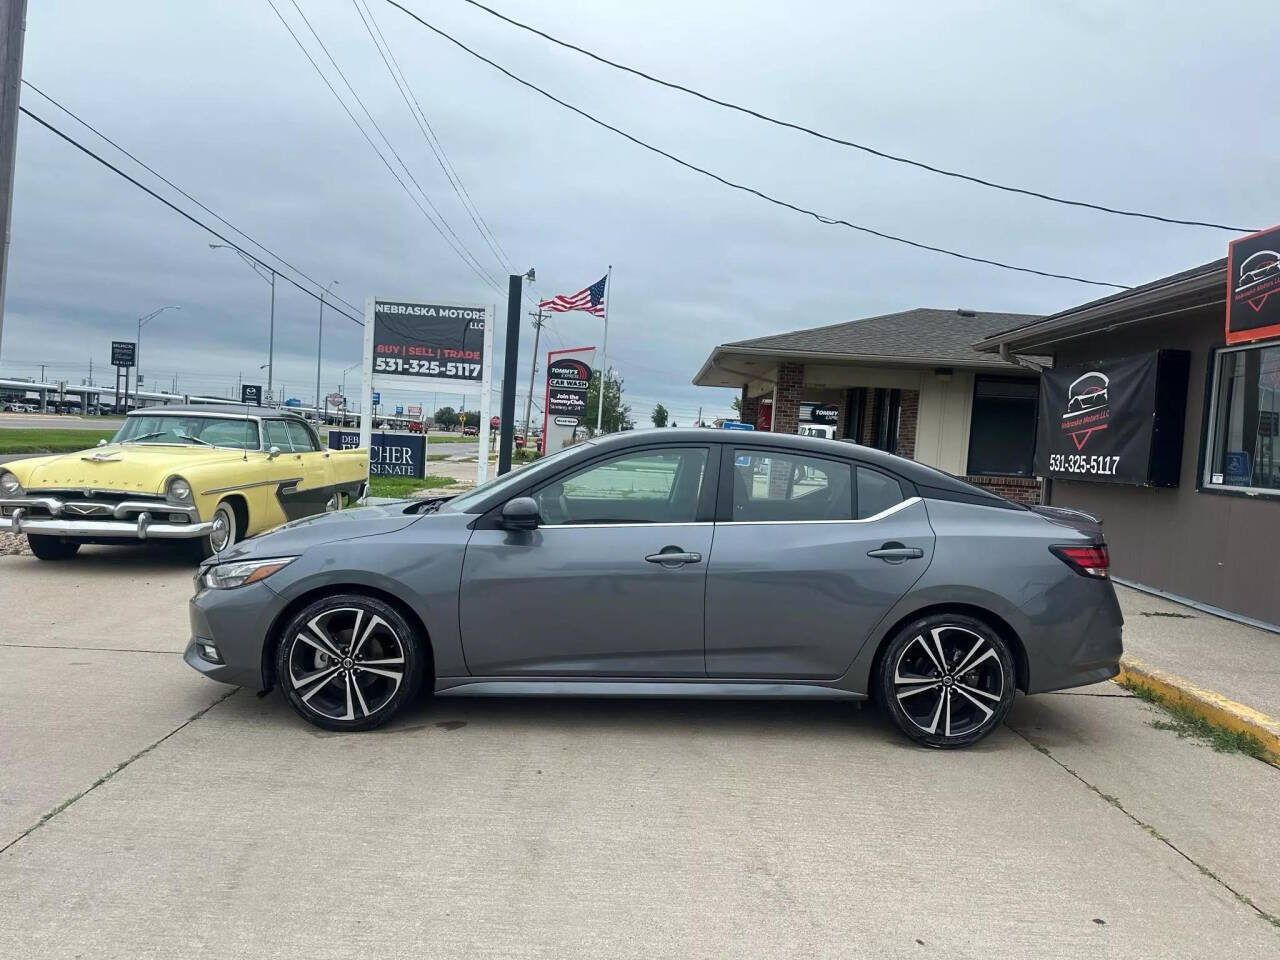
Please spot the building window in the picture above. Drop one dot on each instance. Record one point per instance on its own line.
(888, 410)
(1244, 420)
(1002, 432)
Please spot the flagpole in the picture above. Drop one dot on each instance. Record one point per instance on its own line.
(604, 349)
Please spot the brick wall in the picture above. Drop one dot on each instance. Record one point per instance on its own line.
(1022, 489)
(786, 402)
(908, 416)
(750, 407)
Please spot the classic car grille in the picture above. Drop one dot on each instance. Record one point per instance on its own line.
(80, 505)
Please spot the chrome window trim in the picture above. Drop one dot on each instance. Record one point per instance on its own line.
(599, 526)
(246, 486)
(160, 412)
(900, 505)
(1211, 423)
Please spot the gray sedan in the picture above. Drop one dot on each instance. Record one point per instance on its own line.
(673, 563)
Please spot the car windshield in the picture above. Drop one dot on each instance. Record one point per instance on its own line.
(195, 430)
(469, 499)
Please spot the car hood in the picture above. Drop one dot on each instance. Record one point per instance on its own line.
(127, 467)
(292, 538)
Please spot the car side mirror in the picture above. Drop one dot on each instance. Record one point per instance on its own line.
(521, 514)
(102, 443)
(273, 452)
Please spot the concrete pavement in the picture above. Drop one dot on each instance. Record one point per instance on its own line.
(179, 823)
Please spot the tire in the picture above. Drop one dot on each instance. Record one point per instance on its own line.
(324, 667)
(52, 548)
(333, 504)
(928, 699)
(225, 534)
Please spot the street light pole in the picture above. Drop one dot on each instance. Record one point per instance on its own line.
(320, 345)
(257, 268)
(533, 369)
(137, 352)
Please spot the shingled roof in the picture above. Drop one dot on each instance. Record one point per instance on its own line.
(920, 334)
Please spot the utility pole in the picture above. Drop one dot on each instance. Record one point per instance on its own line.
(319, 339)
(538, 321)
(13, 27)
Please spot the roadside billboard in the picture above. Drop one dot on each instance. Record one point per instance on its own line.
(567, 379)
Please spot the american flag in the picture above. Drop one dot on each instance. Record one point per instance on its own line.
(590, 299)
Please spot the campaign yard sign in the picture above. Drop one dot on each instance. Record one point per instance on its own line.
(1116, 421)
(390, 454)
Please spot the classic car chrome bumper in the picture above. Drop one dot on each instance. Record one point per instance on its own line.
(131, 519)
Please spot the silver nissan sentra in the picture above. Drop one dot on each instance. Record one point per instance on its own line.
(674, 563)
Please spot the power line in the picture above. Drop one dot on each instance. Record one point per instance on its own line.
(472, 263)
(429, 134)
(176, 209)
(87, 125)
(850, 143)
(821, 218)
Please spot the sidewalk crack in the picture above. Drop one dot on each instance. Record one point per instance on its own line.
(1153, 832)
(107, 776)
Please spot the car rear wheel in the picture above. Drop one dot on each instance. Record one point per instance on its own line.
(947, 680)
(52, 548)
(349, 662)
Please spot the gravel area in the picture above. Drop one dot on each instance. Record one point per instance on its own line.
(12, 544)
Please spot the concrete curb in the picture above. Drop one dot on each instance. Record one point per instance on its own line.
(1212, 706)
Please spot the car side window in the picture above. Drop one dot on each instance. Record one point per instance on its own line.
(877, 492)
(277, 435)
(300, 437)
(647, 486)
(780, 487)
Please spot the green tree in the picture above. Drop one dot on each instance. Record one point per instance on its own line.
(659, 416)
(446, 418)
(737, 407)
(617, 415)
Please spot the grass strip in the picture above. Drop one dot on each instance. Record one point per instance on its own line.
(1187, 723)
(37, 441)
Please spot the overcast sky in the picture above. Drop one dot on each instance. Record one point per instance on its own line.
(1154, 106)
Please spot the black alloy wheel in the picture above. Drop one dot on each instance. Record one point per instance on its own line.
(349, 662)
(947, 680)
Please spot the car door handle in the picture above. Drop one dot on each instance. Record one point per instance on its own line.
(896, 553)
(673, 557)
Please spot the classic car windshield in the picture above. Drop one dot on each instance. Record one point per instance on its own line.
(189, 431)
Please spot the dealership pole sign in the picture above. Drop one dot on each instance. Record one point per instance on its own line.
(427, 346)
(1118, 420)
(1253, 287)
(251, 394)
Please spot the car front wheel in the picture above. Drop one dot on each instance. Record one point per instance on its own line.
(947, 680)
(52, 548)
(349, 662)
(224, 533)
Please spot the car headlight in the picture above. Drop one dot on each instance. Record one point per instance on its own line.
(224, 576)
(9, 485)
(179, 490)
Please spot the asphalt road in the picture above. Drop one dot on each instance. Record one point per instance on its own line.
(148, 812)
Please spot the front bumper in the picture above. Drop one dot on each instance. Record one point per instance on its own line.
(130, 519)
(236, 622)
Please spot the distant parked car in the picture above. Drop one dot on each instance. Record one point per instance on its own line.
(415, 426)
(471, 431)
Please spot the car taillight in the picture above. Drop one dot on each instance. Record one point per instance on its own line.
(1088, 561)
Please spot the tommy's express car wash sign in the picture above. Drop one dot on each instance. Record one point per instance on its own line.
(567, 383)
(1117, 421)
(427, 341)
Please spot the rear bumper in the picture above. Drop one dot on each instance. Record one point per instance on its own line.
(140, 528)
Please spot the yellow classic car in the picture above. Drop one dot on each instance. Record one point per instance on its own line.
(209, 473)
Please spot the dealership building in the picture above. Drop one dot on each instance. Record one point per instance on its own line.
(910, 383)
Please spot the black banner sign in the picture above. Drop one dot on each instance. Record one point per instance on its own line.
(567, 382)
(124, 353)
(1118, 420)
(428, 341)
(826, 413)
(1253, 287)
(251, 393)
(391, 454)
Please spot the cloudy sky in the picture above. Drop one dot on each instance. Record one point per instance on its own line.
(1151, 106)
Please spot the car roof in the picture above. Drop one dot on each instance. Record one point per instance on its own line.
(214, 409)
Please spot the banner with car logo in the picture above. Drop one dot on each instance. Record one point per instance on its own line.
(1117, 420)
(1253, 287)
